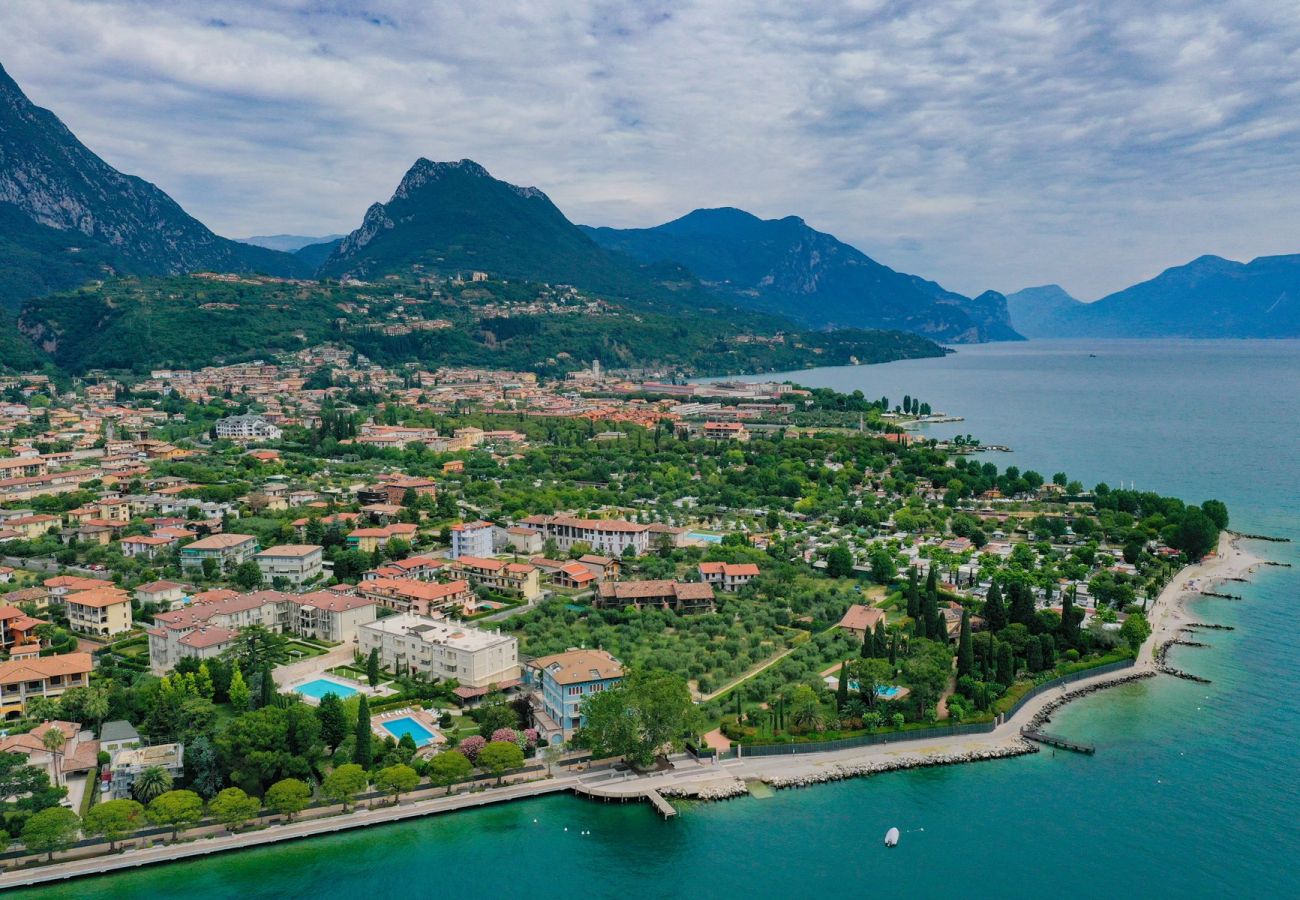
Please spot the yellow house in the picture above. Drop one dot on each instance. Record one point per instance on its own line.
(102, 611)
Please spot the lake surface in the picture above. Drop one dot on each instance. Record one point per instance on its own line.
(1193, 789)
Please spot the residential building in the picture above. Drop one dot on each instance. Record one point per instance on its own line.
(471, 539)
(370, 539)
(608, 536)
(605, 568)
(163, 595)
(522, 539)
(116, 735)
(127, 764)
(563, 681)
(17, 629)
(332, 615)
(724, 431)
(247, 428)
(79, 754)
(476, 658)
(860, 619)
(728, 576)
(48, 676)
(104, 612)
(684, 597)
(520, 579)
(226, 550)
(149, 546)
(422, 597)
(297, 564)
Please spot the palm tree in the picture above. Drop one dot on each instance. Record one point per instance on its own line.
(53, 740)
(150, 783)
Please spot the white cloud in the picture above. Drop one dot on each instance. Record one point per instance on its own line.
(996, 143)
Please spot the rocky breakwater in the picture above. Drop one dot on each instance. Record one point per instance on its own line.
(842, 771)
(1044, 715)
(1162, 664)
(715, 789)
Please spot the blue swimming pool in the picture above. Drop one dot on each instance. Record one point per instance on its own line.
(399, 728)
(707, 538)
(889, 692)
(322, 686)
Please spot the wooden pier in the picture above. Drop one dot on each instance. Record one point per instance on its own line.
(1052, 740)
(663, 806)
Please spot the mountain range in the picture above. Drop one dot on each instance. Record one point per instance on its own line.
(785, 267)
(1209, 297)
(287, 243)
(61, 204)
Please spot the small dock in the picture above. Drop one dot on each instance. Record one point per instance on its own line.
(1052, 740)
(659, 803)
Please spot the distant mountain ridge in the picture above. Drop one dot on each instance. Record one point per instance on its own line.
(1209, 297)
(126, 223)
(288, 243)
(783, 266)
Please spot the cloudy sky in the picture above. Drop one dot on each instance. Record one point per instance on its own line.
(991, 143)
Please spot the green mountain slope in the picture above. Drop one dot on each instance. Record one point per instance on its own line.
(453, 217)
(785, 267)
(55, 181)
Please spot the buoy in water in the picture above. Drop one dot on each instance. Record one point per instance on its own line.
(891, 837)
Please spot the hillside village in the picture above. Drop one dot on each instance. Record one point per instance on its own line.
(417, 565)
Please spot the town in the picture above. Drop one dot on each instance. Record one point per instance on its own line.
(238, 594)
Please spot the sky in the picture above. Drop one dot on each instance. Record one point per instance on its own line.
(985, 144)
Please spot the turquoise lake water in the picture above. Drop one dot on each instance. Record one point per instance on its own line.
(1192, 792)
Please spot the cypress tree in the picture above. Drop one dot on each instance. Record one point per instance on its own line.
(965, 649)
(363, 754)
(994, 612)
(1048, 648)
(913, 594)
(879, 641)
(267, 697)
(893, 650)
(1069, 627)
(372, 667)
(842, 689)
(868, 645)
(1022, 603)
(932, 583)
(1034, 655)
(1006, 665)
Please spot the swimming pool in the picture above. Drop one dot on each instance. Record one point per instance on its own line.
(889, 692)
(322, 686)
(399, 728)
(707, 538)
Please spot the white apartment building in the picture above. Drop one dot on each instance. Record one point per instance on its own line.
(608, 536)
(412, 643)
(297, 564)
(471, 539)
(247, 428)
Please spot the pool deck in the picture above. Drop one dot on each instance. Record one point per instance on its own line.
(426, 720)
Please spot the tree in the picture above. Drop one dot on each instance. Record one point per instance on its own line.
(247, 575)
(151, 783)
(234, 808)
(1196, 534)
(333, 721)
(805, 709)
(841, 688)
(1006, 668)
(239, 692)
(372, 667)
(344, 783)
(839, 562)
(175, 809)
(203, 767)
(53, 741)
(449, 767)
(1135, 629)
(289, 796)
(261, 747)
(883, 568)
(266, 688)
(113, 820)
(363, 754)
(257, 647)
(31, 785)
(1069, 621)
(872, 674)
(499, 756)
(635, 719)
(1022, 603)
(965, 650)
(397, 780)
(995, 614)
(51, 831)
(1217, 512)
(913, 594)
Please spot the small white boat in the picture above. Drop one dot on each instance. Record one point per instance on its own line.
(891, 837)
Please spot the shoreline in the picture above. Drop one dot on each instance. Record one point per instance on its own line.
(1169, 618)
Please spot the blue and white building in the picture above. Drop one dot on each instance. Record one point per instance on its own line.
(562, 681)
(471, 539)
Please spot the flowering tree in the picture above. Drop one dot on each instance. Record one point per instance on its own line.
(472, 746)
(530, 737)
(505, 734)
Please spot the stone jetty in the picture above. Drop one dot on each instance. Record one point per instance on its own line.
(842, 771)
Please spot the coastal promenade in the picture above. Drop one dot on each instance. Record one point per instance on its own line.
(706, 778)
